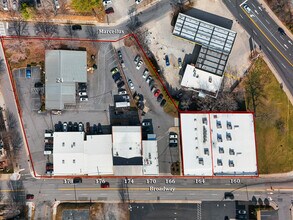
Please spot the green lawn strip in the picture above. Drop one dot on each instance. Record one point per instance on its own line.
(275, 143)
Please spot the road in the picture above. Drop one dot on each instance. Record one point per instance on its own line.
(264, 31)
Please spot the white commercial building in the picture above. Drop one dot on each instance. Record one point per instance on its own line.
(200, 80)
(75, 155)
(150, 157)
(218, 144)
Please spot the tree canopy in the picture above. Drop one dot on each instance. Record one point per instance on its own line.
(84, 5)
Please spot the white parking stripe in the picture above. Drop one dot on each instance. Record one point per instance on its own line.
(283, 65)
(253, 5)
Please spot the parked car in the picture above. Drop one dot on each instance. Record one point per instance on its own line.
(109, 10)
(5, 5)
(38, 85)
(163, 103)
(152, 82)
(167, 60)
(148, 79)
(173, 142)
(122, 63)
(179, 62)
(82, 94)
(114, 70)
(146, 123)
(241, 212)
(75, 126)
(153, 89)
(76, 27)
(30, 196)
(106, 2)
(138, 1)
(116, 76)
(84, 98)
(77, 180)
(120, 84)
(137, 59)
(139, 64)
(100, 129)
(80, 126)
(28, 71)
(95, 129)
(281, 30)
(14, 5)
(65, 126)
(130, 83)
(160, 97)
(105, 185)
(57, 4)
(145, 73)
(157, 93)
(88, 127)
(119, 54)
(122, 92)
(70, 126)
(173, 135)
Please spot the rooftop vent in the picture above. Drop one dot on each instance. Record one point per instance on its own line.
(200, 161)
(221, 150)
(229, 125)
(231, 151)
(219, 162)
(228, 136)
(204, 120)
(219, 124)
(219, 138)
(206, 151)
(231, 163)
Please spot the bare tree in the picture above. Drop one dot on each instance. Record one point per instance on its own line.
(91, 32)
(46, 29)
(133, 22)
(69, 32)
(18, 27)
(123, 190)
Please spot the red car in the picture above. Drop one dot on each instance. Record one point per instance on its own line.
(30, 196)
(105, 185)
(109, 10)
(157, 93)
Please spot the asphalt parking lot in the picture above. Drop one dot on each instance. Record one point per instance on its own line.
(161, 122)
(100, 90)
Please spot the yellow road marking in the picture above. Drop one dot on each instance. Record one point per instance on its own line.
(266, 37)
(176, 189)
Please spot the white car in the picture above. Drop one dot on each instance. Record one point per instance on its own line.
(14, 5)
(247, 8)
(107, 2)
(130, 83)
(57, 4)
(83, 98)
(146, 123)
(122, 92)
(173, 136)
(145, 73)
(138, 1)
(148, 79)
(82, 94)
(139, 64)
(136, 59)
(5, 5)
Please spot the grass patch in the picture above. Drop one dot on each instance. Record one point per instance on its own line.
(274, 124)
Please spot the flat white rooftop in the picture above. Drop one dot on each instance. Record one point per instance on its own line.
(218, 144)
(150, 157)
(126, 141)
(72, 155)
(201, 80)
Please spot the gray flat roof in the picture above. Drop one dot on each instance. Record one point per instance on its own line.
(212, 61)
(204, 33)
(64, 68)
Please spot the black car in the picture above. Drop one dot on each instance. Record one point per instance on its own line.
(38, 85)
(77, 180)
(95, 129)
(109, 10)
(163, 103)
(70, 126)
(120, 84)
(119, 54)
(75, 126)
(152, 82)
(116, 76)
(76, 27)
(100, 130)
(160, 97)
(228, 195)
(281, 30)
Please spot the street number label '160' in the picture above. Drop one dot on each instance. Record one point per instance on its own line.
(235, 181)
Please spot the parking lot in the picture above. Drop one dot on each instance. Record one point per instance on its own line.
(100, 90)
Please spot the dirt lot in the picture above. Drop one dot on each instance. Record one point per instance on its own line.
(93, 211)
